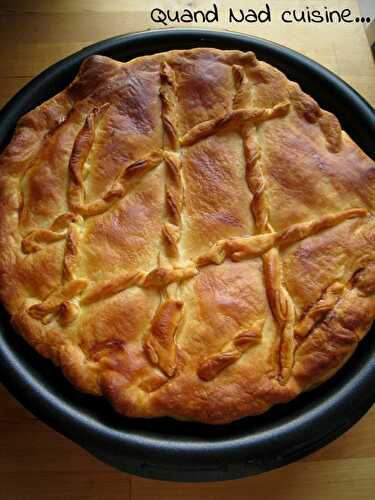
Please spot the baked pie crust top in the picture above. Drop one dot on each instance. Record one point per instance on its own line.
(188, 234)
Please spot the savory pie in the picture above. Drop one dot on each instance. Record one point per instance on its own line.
(188, 234)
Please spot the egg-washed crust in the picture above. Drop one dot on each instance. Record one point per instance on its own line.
(188, 234)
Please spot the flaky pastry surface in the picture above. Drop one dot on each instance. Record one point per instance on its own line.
(188, 234)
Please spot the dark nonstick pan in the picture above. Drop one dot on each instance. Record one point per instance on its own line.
(184, 451)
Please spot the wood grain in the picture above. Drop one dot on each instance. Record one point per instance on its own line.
(37, 462)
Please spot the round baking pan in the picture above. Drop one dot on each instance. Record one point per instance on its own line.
(184, 451)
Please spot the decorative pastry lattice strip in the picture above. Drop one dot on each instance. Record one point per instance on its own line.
(168, 96)
(126, 181)
(297, 232)
(157, 278)
(231, 352)
(240, 248)
(235, 119)
(174, 202)
(71, 250)
(282, 308)
(281, 304)
(330, 305)
(255, 180)
(243, 95)
(318, 310)
(36, 239)
(107, 288)
(161, 277)
(159, 344)
(81, 149)
(51, 305)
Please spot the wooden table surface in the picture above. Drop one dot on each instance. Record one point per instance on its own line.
(35, 461)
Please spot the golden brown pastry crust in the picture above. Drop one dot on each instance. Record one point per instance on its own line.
(188, 234)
